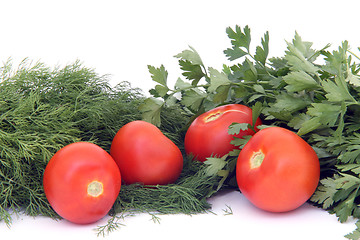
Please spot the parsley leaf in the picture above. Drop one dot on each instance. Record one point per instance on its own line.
(336, 91)
(158, 75)
(325, 193)
(191, 64)
(214, 165)
(235, 128)
(240, 41)
(300, 55)
(193, 99)
(300, 80)
(217, 79)
(263, 52)
(151, 109)
(191, 56)
(191, 71)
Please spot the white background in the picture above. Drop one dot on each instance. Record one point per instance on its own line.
(121, 38)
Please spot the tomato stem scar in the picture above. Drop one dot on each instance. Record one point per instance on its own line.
(213, 117)
(216, 115)
(256, 159)
(95, 188)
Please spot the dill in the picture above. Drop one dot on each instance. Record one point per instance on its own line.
(43, 109)
(187, 196)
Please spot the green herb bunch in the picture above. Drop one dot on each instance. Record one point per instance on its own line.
(42, 109)
(315, 93)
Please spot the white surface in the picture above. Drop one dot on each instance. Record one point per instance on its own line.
(245, 222)
(122, 37)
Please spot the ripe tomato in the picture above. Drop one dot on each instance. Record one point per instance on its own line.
(145, 155)
(208, 134)
(277, 170)
(81, 182)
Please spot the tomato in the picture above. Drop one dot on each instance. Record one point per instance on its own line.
(145, 155)
(208, 134)
(81, 182)
(277, 170)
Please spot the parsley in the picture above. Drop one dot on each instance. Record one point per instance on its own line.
(315, 93)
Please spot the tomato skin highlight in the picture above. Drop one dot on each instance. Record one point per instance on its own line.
(81, 182)
(145, 155)
(208, 134)
(287, 176)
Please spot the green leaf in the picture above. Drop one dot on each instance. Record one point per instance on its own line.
(325, 192)
(354, 235)
(222, 94)
(328, 113)
(255, 97)
(303, 47)
(336, 90)
(182, 85)
(235, 128)
(262, 52)
(151, 109)
(259, 88)
(335, 60)
(353, 167)
(352, 79)
(217, 79)
(223, 174)
(300, 80)
(347, 187)
(289, 102)
(191, 56)
(239, 39)
(191, 71)
(234, 54)
(297, 121)
(300, 55)
(309, 125)
(158, 75)
(250, 74)
(161, 90)
(171, 101)
(351, 155)
(256, 111)
(240, 142)
(240, 91)
(193, 99)
(214, 165)
(235, 152)
(345, 208)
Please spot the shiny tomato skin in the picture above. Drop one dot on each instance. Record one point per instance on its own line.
(68, 178)
(287, 176)
(145, 155)
(208, 134)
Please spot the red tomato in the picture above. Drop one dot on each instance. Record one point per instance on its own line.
(208, 134)
(82, 182)
(277, 170)
(145, 155)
